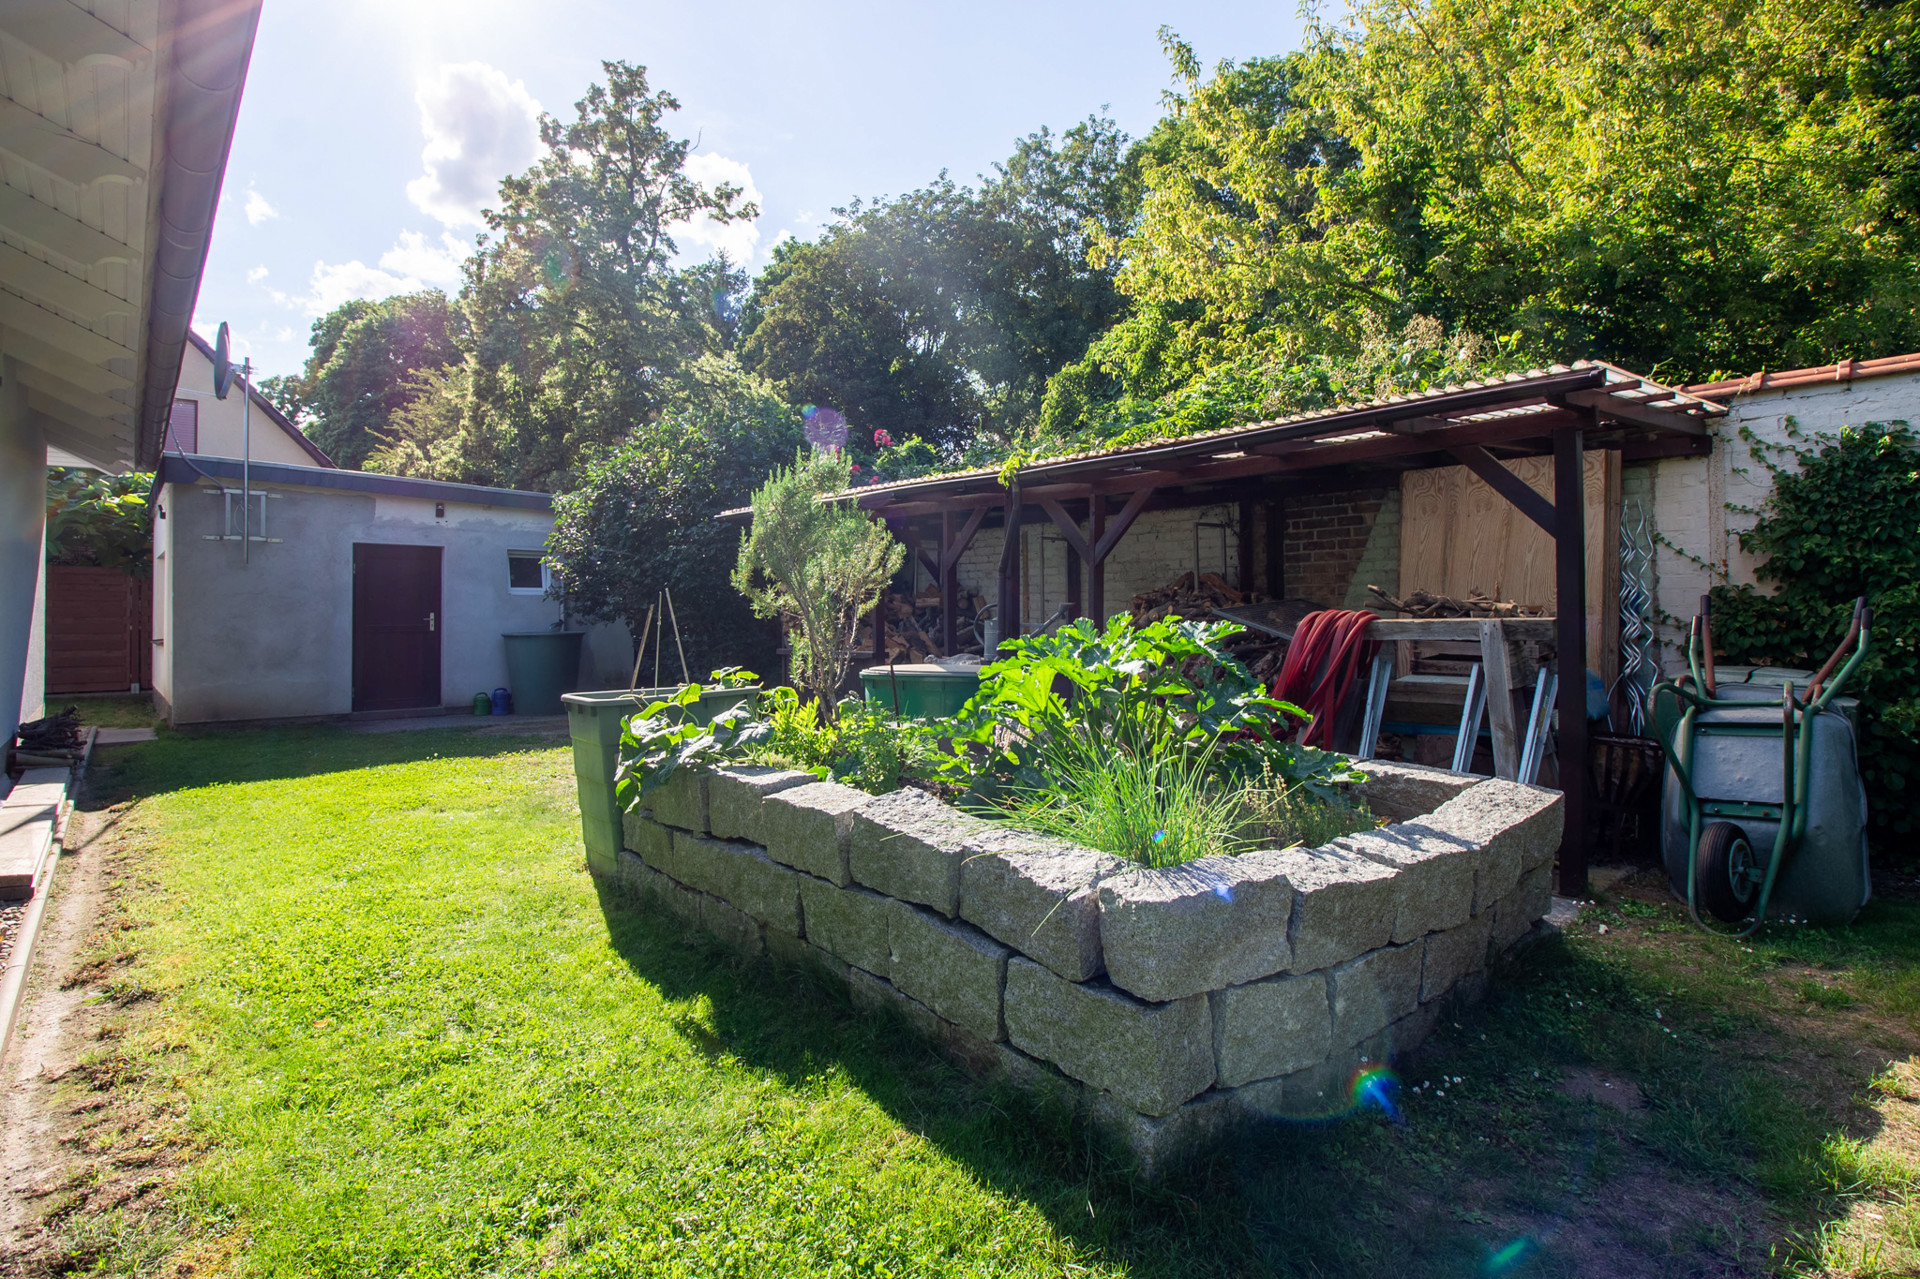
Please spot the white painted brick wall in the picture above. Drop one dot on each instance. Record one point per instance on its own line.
(1158, 548)
(1701, 505)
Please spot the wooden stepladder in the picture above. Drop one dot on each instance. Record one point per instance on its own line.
(1489, 692)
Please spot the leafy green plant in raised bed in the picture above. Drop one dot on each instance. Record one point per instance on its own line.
(1152, 743)
(861, 745)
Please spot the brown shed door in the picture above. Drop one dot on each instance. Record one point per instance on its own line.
(396, 627)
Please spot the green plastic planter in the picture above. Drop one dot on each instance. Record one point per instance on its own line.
(594, 721)
(541, 667)
(922, 690)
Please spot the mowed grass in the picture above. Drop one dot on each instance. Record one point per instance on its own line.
(383, 1022)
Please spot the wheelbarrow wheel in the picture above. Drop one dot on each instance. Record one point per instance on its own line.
(1726, 873)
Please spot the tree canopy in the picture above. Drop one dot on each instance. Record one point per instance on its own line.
(365, 368)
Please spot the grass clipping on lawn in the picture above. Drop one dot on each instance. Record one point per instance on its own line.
(371, 1016)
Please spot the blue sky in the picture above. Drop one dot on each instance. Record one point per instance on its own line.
(372, 131)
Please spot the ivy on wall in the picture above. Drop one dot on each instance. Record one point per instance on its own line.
(1845, 524)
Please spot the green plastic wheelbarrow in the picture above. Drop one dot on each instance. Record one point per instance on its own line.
(1762, 805)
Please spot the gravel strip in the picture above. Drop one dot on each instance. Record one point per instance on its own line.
(10, 917)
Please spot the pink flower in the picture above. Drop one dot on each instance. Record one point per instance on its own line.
(882, 440)
(856, 468)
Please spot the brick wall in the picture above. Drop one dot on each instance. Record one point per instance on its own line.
(1328, 539)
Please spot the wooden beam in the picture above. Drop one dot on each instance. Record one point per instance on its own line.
(30, 317)
(1097, 569)
(1009, 601)
(1121, 523)
(906, 533)
(952, 555)
(52, 384)
(1646, 414)
(1507, 485)
(27, 274)
(1570, 608)
(1496, 668)
(1069, 528)
(86, 444)
(66, 235)
(1459, 629)
(30, 350)
(949, 586)
(1243, 547)
(59, 150)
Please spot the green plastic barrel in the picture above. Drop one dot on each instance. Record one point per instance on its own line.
(594, 722)
(541, 667)
(921, 690)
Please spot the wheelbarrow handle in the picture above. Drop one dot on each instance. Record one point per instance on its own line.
(1708, 684)
(1862, 620)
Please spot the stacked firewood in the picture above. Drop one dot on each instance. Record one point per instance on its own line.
(1183, 597)
(1195, 601)
(57, 740)
(1427, 604)
(913, 626)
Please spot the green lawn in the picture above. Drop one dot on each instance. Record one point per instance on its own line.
(379, 1020)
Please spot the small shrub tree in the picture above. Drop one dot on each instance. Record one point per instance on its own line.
(816, 565)
(642, 518)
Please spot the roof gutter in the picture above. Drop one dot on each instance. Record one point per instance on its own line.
(206, 70)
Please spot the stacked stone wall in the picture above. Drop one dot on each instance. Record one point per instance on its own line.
(1165, 1004)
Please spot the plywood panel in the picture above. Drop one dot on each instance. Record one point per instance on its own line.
(1458, 536)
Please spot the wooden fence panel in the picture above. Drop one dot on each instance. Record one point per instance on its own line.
(98, 624)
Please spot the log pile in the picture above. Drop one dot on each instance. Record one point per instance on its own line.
(913, 627)
(1427, 604)
(58, 740)
(1183, 597)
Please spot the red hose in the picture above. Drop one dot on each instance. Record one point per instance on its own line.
(1323, 663)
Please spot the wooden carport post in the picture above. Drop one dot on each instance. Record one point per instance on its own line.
(1570, 641)
(952, 546)
(1009, 602)
(1566, 521)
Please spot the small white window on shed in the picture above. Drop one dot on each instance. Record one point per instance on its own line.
(526, 575)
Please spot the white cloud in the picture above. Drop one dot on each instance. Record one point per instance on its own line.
(437, 264)
(737, 239)
(258, 210)
(480, 127)
(333, 283)
(257, 274)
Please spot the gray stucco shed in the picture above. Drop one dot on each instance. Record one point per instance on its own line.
(270, 635)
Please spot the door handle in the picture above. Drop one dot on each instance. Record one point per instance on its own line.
(430, 620)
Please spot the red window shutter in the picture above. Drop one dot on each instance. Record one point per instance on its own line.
(183, 427)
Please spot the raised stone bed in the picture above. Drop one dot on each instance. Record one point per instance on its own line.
(1165, 1005)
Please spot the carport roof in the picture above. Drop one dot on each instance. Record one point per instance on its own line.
(1516, 414)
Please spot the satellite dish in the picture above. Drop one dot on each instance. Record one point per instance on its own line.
(222, 363)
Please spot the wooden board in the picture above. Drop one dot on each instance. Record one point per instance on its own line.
(1458, 536)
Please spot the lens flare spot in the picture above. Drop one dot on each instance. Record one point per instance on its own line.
(1376, 1086)
(1509, 1257)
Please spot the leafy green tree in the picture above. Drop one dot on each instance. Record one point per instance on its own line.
(1684, 188)
(577, 323)
(98, 520)
(940, 314)
(364, 369)
(642, 518)
(816, 565)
